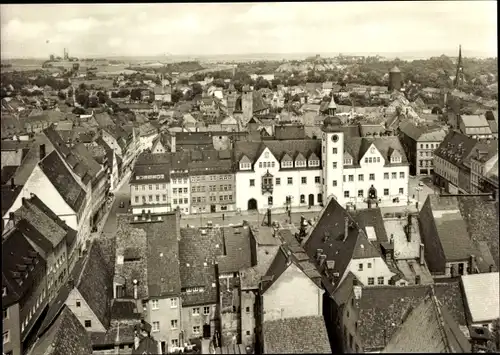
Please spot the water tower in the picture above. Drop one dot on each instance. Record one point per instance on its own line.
(395, 79)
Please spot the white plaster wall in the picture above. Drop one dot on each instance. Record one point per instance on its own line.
(84, 312)
(378, 269)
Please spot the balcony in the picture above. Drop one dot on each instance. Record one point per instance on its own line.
(267, 188)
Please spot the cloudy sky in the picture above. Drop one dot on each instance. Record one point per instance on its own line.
(244, 28)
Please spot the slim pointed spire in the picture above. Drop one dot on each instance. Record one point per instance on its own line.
(459, 77)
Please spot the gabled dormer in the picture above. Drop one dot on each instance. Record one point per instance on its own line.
(300, 161)
(347, 158)
(313, 160)
(245, 163)
(286, 161)
(395, 157)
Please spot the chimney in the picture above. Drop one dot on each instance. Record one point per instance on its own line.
(421, 254)
(71, 283)
(172, 143)
(42, 151)
(492, 267)
(135, 288)
(346, 228)
(322, 259)
(417, 280)
(408, 228)
(12, 185)
(472, 264)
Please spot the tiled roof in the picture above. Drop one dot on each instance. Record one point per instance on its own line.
(163, 255)
(85, 157)
(195, 251)
(278, 148)
(344, 291)
(304, 335)
(455, 148)
(427, 330)
(103, 119)
(328, 234)
(357, 147)
(8, 173)
(481, 217)
(9, 196)
(286, 132)
(382, 310)
(66, 336)
(96, 284)
(55, 170)
(450, 295)
(128, 236)
(16, 253)
(237, 250)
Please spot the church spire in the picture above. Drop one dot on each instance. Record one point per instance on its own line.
(459, 77)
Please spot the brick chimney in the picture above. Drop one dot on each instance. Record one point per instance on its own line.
(421, 255)
(42, 151)
(472, 264)
(12, 184)
(173, 143)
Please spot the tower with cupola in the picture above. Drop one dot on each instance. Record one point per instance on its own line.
(332, 156)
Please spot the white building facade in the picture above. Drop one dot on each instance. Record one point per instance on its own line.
(301, 173)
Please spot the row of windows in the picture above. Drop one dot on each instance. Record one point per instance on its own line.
(32, 311)
(361, 192)
(180, 181)
(143, 187)
(427, 154)
(425, 163)
(289, 180)
(289, 201)
(201, 199)
(180, 190)
(150, 198)
(210, 178)
(427, 145)
(211, 188)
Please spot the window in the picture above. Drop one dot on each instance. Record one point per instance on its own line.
(78, 304)
(402, 175)
(401, 190)
(175, 201)
(360, 193)
(175, 342)
(386, 192)
(351, 178)
(260, 164)
(174, 324)
(344, 177)
(196, 311)
(317, 180)
(6, 313)
(247, 309)
(156, 326)
(270, 200)
(157, 198)
(150, 198)
(334, 165)
(196, 329)
(185, 190)
(361, 177)
(347, 161)
(157, 186)
(174, 190)
(346, 193)
(88, 323)
(206, 310)
(369, 160)
(6, 337)
(334, 183)
(151, 187)
(248, 332)
(164, 197)
(366, 160)
(278, 181)
(334, 151)
(421, 146)
(289, 181)
(360, 267)
(173, 303)
(393, 175)
(154, 304)
(372, 177)
(386, 176)
(303, 180)
(380, 280)
(186, 200)
(371, 281)
(252, 182)
(302, 199)
(426, 146)
(369, 265)
(136, 199)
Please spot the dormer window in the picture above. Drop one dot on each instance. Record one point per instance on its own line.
(287, 164)
(313, 162)
(300, 163)
(347, 161)
(395, 159)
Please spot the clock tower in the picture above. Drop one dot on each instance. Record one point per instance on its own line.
(332, 155)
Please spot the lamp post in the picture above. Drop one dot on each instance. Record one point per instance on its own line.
(201, 217)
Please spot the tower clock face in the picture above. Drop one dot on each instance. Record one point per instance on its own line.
(335, 138)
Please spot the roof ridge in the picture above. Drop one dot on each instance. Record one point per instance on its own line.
(441, 321)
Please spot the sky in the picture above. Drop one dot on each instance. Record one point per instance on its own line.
(36, 31)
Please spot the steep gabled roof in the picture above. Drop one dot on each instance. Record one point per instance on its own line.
(95, 284)
(57, 173)
(66, 336)
(357, 147)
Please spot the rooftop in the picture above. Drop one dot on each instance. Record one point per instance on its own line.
(482, 296)
(304, 335)
(237, 254)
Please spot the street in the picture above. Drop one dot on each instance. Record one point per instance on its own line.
(121, 195)
(419, 193)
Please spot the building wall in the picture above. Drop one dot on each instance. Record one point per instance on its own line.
(113, 144)
(158, 148)
(247, 105)
(165, 314)
(425, 157)
(292, 295)
(190, 320)
(349, 319)
(181, 198)
(378, 268)
(12, 325)
(40, 185)
(152, 195)
(216, 190)
(84, 312)
(463, 180)
(33, 304)
(446, 172)
(331, 174)
(248, 309)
